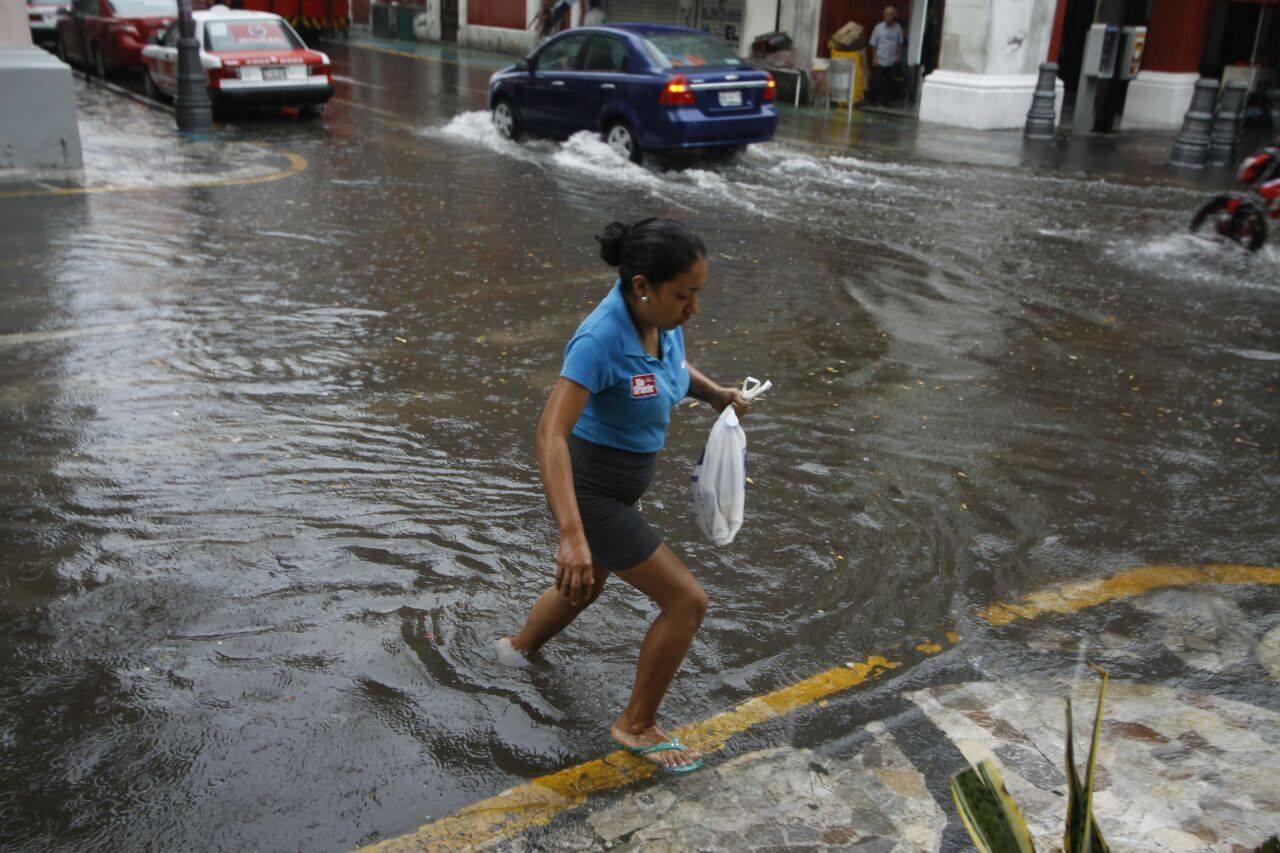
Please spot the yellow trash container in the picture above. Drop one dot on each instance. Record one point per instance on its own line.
(859, 58)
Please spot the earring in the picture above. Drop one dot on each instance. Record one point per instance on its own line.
(644, 299)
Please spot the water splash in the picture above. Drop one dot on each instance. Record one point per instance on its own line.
(1203, 260)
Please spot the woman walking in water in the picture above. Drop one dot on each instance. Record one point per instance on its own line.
(598, 440)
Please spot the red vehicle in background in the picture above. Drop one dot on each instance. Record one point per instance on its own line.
(1242, 216)
(109, 35)
(310, 18)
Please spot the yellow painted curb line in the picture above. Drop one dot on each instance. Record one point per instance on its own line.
(1074, 597)
(539, 801)
(296, 164)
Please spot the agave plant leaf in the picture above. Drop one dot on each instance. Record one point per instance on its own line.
(1082, 834)
(992, 817)
(1271, 845)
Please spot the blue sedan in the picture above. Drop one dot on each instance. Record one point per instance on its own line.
(643, 87)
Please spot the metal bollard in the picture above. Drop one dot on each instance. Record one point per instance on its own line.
(1273, 99)
(1191, 148)
(1043, 115)
(191, 107)
(1224, 141)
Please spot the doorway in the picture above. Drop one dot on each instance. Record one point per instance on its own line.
(449, 20)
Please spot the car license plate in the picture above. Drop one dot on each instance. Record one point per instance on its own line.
(274, 73)
(731, 99)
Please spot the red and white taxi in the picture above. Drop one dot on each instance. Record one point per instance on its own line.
(250, 59)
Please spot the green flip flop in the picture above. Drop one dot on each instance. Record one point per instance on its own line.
(673, 744)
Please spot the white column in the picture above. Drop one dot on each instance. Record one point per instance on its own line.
(499, 39)
(38, 127)
(1158, 100)
(14, 30)
(991, 54)
(801, 20)
(758, 18)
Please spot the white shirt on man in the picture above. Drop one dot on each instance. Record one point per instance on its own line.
(886, 41)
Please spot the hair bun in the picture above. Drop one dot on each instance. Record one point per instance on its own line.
(615, 234)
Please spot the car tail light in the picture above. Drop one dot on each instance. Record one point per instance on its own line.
(318, 70)
(678, 93)
(220, 73)
(770, 88)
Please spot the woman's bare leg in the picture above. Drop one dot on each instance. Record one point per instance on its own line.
(552, 614)
(673, 588)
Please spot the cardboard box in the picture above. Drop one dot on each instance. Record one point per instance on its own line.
(850, 37)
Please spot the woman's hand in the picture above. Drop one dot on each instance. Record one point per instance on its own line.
(575, 576)
(726, 397)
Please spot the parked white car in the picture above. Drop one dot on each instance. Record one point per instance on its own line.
(42, 16)
(250, 60)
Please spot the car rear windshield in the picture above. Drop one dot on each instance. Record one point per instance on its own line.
(145, 8)
(689, 50)
(248, 35)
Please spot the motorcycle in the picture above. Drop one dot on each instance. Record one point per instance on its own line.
(1242, 216)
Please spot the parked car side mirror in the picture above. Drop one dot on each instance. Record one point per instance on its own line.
(523, 65)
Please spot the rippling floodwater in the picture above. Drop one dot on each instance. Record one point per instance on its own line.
(269, 487)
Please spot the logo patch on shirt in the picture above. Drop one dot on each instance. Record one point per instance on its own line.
(644, 385)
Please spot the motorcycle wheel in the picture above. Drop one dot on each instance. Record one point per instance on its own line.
(1249, 226)
(1246, 225)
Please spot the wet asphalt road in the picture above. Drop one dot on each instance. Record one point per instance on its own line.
(267, 482)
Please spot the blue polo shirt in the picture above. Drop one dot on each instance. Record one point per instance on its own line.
(632, 392)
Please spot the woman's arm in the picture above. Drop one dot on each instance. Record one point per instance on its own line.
(574, 574)
(702, 388)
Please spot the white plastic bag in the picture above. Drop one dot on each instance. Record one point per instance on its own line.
(719, 484)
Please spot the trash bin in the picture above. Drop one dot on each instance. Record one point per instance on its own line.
(380, 20)
(404, 21)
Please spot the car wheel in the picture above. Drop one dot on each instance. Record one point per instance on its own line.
(149, 87)
(60, 50)
(310, 111)
(621, 139)
(99, 63)
(506, 121)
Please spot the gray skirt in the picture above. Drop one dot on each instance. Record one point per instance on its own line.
(608, 482)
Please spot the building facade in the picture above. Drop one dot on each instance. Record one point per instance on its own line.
(973, 63)
(505, 24)
(991, 50)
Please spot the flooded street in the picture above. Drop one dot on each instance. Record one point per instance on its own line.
(268, 490)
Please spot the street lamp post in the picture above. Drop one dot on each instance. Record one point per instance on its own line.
(191, 106)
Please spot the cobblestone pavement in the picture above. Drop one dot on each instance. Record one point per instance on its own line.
(1182, 767)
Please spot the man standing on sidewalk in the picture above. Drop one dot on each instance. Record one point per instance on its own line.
(886, 53)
